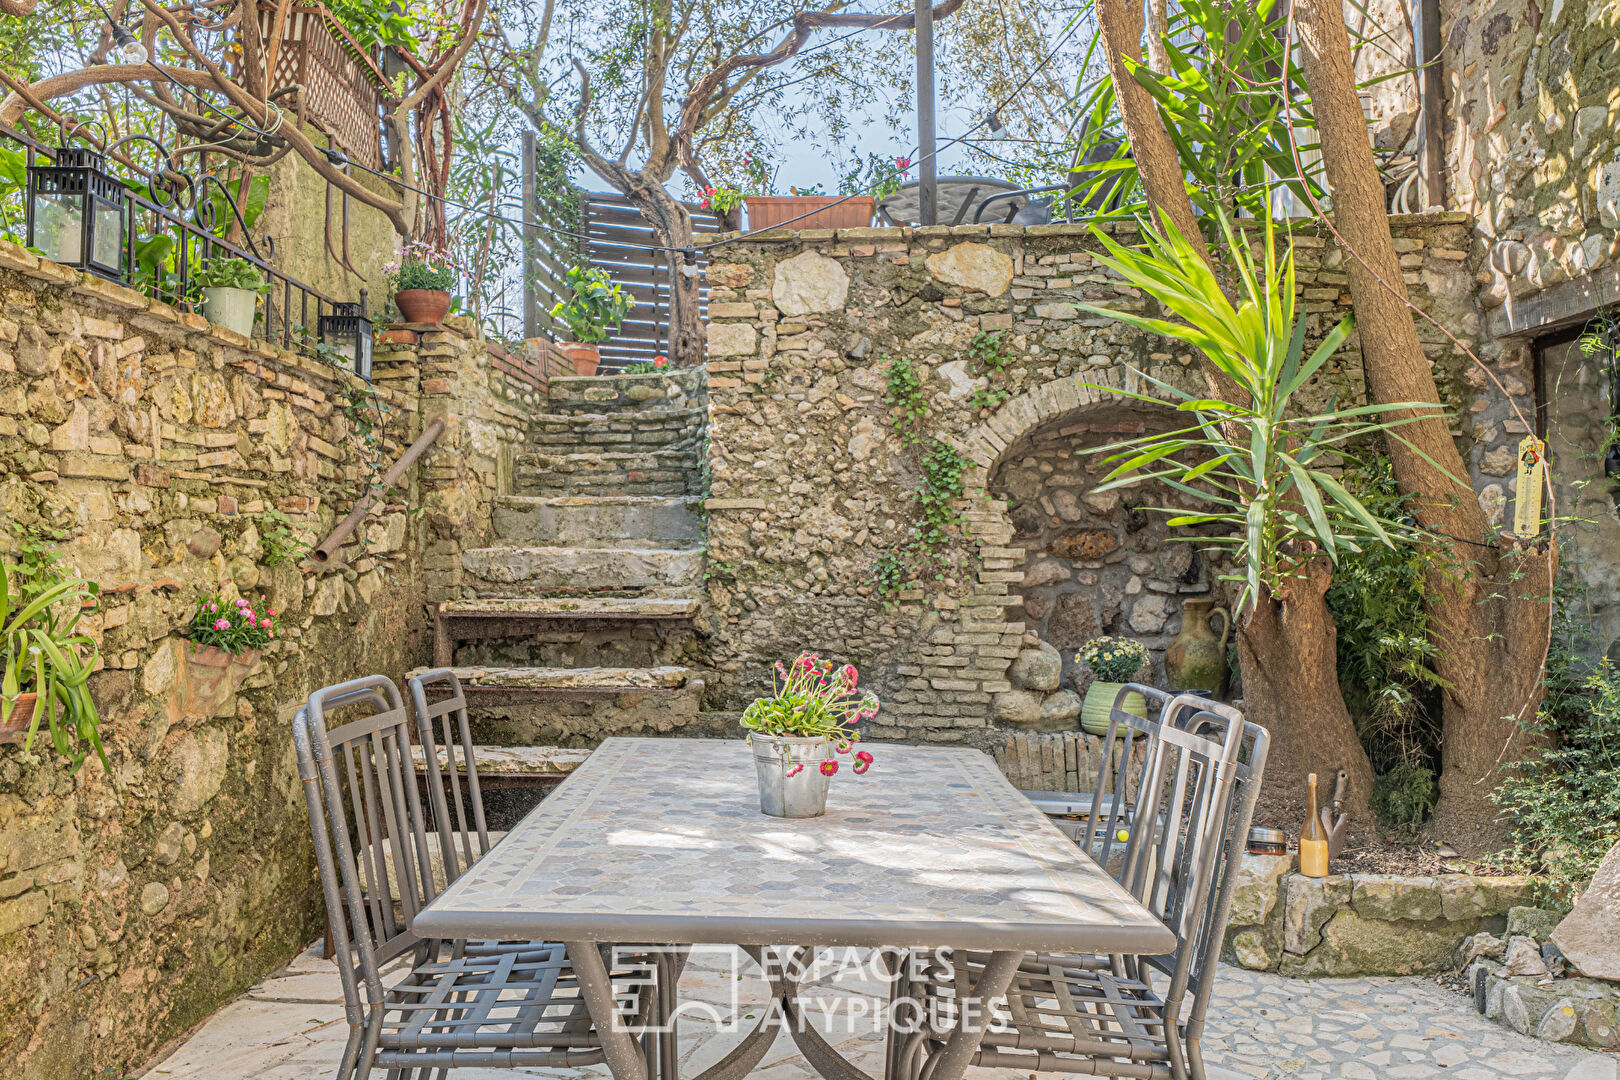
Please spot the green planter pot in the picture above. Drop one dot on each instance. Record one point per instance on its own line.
(1099, 703)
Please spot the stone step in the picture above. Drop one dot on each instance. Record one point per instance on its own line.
(494, 686)
(656, 472)
(526, 616)
(581, 394)
(625, 431)
(654, 521)
(516, 572)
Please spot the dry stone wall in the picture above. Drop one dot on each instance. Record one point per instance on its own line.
(811, 483)
(134, 902)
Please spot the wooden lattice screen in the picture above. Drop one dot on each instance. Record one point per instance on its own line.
(337, 83)
(621, 242)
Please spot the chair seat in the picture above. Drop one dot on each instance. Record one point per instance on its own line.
(512, 1006)
(1068, 1014)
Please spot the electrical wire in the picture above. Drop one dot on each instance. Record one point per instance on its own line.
(336, 157)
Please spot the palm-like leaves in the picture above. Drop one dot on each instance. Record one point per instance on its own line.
(43, 651)
(1262, 469)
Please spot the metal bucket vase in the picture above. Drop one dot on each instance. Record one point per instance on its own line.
(231, 308)
(804, 793)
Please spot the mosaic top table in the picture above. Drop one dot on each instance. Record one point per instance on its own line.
(662, 840)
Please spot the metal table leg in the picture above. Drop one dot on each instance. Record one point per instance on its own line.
(624, 1057)
(952, 1062)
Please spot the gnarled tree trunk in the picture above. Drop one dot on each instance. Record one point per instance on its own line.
(1488, 610)
(1287, 649)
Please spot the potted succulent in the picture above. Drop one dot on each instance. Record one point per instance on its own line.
(596, 308)
(1114, 661)
(798, 733)
(47, 661)
(421, 279)
(230, 293)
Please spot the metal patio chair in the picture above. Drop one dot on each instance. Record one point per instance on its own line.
(452, 1008)
(1105, 1015)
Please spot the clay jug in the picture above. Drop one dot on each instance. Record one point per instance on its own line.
(1196, 659)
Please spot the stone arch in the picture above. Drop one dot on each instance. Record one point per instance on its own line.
(996, 597)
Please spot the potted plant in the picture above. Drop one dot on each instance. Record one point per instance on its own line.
(596, 308)
(421, 279)
(799, 731)
(851, 208)
(658, 365)
(230, 631)
(47, 661)
(230, 293)
(1114, 661)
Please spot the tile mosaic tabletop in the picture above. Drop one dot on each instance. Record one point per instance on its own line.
(663, 840)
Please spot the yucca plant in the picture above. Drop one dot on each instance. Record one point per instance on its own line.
(1265, 468)
(45, 654)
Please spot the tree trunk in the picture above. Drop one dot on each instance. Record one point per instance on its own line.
(1487, 612)
(1287, 648)
(1158, 26)
(672, 226)
(1157, 163)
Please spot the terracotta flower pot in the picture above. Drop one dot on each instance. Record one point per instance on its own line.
(15, 729)
(585, 357)
(769, 211)
(423, 305)
(210, 656)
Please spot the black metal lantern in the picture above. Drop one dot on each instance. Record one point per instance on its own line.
(77, 212)
(347, 332)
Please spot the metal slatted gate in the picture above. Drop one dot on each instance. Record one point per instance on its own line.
(621, 242)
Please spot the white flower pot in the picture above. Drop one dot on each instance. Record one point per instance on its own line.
(231, 308)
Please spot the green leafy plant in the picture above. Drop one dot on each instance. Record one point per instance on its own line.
(596, 308)
(279, 540)
(812, 698)
(905, 394)
(935, 516)
(45, 654)
(1563, 800)
(367, 415)
(721, 199)
(658, 365)
(1265, 470)
(987, 351)
(1385, 651)
(1221, 106)
(879, 175)
(987, 397)
(231, 273)
(232, 626)
(1113, 659)
(1403, 797)
(418, 266)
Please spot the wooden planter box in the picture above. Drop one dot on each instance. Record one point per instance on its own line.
(769, 211)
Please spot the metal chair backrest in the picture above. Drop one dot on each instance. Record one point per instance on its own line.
(445, 782)
(360, 787)
(1127, 747)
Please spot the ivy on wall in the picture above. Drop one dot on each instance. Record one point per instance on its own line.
(926, 547)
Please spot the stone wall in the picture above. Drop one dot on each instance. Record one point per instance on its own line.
(133, 903)
(1362, 924)
(811, 483)
(1531, 136)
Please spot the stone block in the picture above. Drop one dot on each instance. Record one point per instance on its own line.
(1532, 922)
(732, 339)
(1353, 945)
(1254, 936)
(1392, 898)
(973, 266)
(1308, 905)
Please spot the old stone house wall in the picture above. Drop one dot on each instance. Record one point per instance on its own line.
(134, 902)
(811, 483)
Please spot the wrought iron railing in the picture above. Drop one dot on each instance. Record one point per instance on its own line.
(169, 234)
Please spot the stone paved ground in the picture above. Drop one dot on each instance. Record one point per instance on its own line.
(1262, 1026)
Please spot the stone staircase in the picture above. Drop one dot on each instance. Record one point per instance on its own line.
(577, 621)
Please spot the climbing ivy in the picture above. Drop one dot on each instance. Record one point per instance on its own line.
(925, 547)
(367, 415)
(905, 394)
(988, 359)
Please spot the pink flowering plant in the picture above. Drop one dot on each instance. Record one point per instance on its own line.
(420, 266)
(814, 698)
(232, 626)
